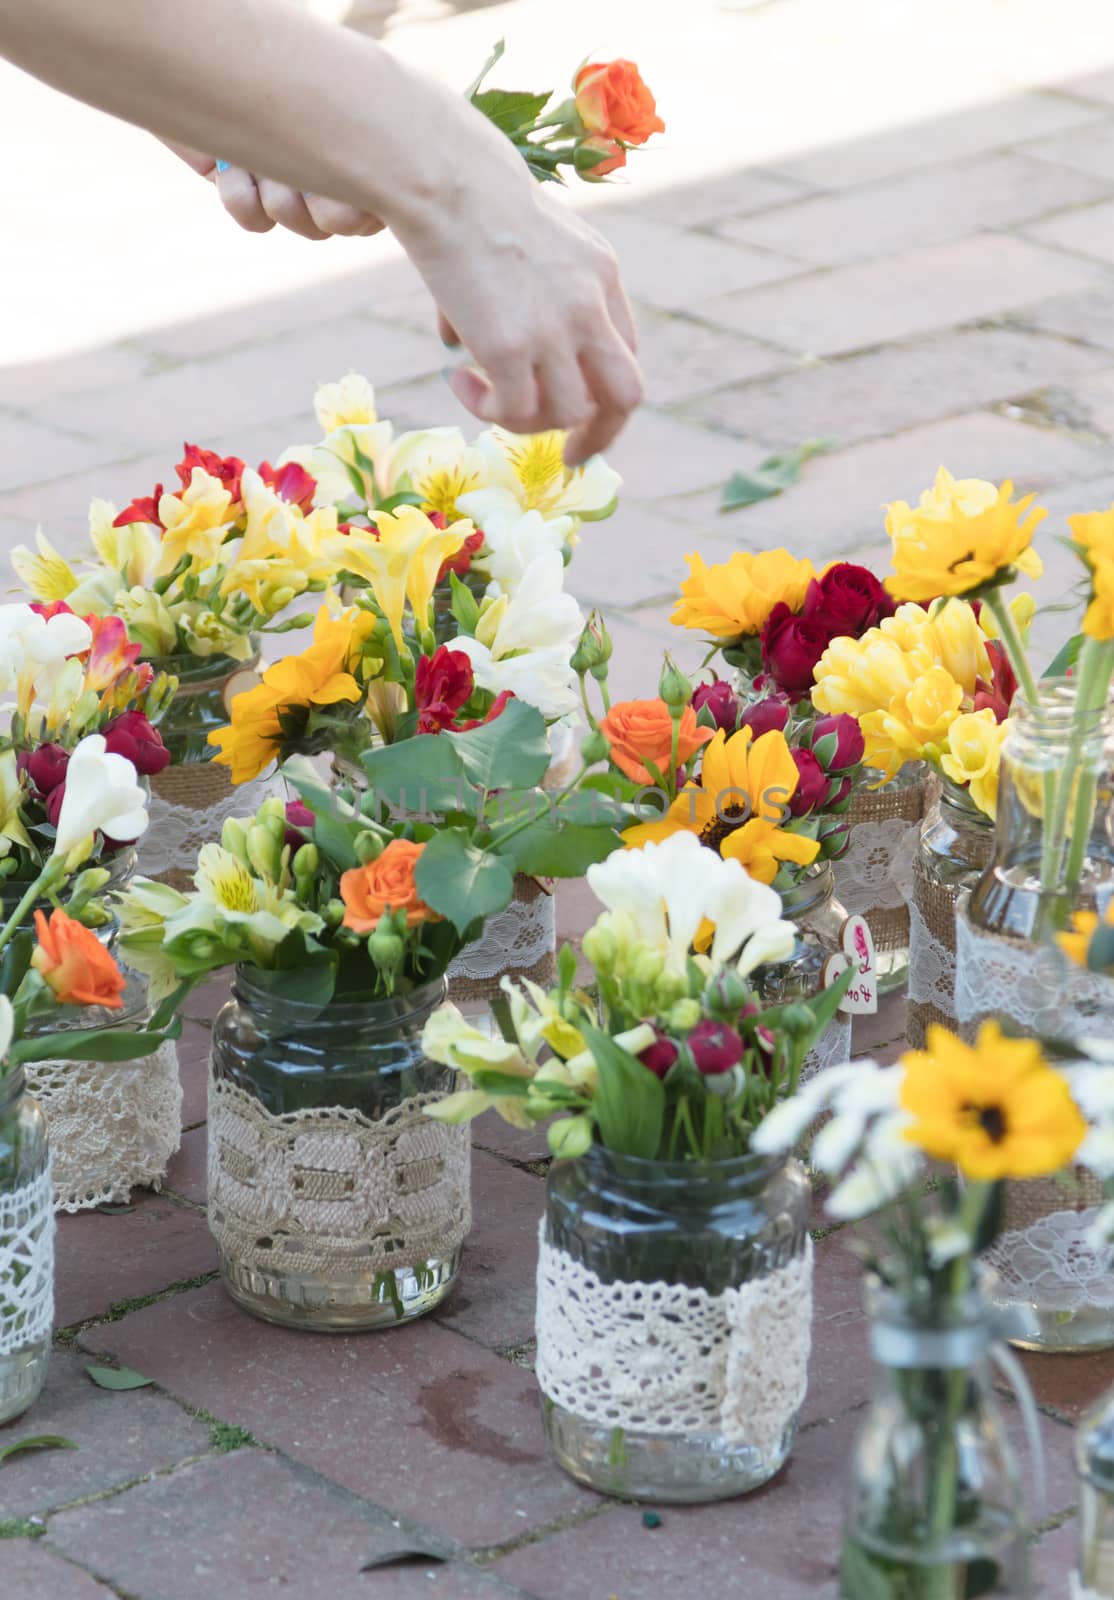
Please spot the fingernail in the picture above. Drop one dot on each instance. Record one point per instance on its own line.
(223, 166)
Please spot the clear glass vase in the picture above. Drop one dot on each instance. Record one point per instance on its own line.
(874, 875)
(26, 1248)
(1094, 1461)
(336, 1203)
(674, 1310)
(935, 1505)
(956, 843)
(819, 917)
(206, 685)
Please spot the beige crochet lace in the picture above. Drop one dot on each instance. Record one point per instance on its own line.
(328, 1189)
(26, 1265)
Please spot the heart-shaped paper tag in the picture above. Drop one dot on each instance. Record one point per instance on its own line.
(857, 952)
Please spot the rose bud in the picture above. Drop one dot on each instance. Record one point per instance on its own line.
(719, 703)
(834, 840)
(660, 1055)
(837, 742)
(46, 767)
(132, 736)
(715, 1047)
(791, 647)
(766, 716)
(54, 803)
(812, 786)
(846, 601)
(763, 1037)
(299, 824)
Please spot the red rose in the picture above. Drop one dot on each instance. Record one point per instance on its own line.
(660, 1055)
(443, 683)
(791, 647)
(229, 469)
(46, 767)
(497, 709)
(145, 509)
(849, 746)
(290, 482)
(812, 784)
(53, 803)
(132, 736)
(768, 715)
(846, 601)
(715, 1047)
(299, 824)
(999, 692)
(721, 701)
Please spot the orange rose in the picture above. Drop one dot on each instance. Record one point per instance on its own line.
(641, 732)
(75, 964)
(602, 156)
(386, 884)
(612, 100)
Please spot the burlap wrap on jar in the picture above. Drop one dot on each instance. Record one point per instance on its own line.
(875, 877)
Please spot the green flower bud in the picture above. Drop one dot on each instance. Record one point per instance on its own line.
(570, 1137)
(594, 748)
(368, 847)
(673, 687)
(796, 1021)
(648, 967)
(601, 948)
(8, 865)
(272, 817)
(669, 989)
(306, 861)
(386, 949)
(684, 1016)
(263, 856)
(332, 913)
(593, 648)
(234, 838)
(727, 993)
(91, 915)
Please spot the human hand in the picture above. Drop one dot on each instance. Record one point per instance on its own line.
(258, 204)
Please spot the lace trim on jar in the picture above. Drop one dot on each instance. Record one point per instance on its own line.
(1032, 984)
(189, 807)
(316, 1190)
(671, 1359)
(931, 966)
(520, 941)
(833, 1049)
(112, 1124)
(26, 1265)
(1052, 1265)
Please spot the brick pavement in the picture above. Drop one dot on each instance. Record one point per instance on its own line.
(892, 225)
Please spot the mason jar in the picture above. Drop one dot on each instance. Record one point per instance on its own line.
(1094, 1463)
(820, 919)
(673, 1322)
(26, 1247)
(336, 1203)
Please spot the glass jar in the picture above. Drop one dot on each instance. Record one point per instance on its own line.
(820, 918)
(206, 685)
(26, 1247)
(673, 1322)
(336, 1203)
(1094, 1462)
(955, 846)
(935, 1506)
(874, 875)
(120, 866)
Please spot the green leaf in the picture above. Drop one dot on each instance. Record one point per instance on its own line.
(403, 776)
(542, 851)
(118, 1378)
(89, 1044)
(310, 983)
(509, 753)
(772, 477)
(495, 56)
(404, 497)
(566, 967)
(501, 1083)
(510, 110)
(464, 605)
(630, 1100)
(40, 1441)
(16, 960)
(1065, 658)
(461, 881)
(865, 1576)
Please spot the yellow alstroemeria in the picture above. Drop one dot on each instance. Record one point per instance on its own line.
(437, 463)
(195, 523)
(527, 472)
(47, 576)
(739, 805)
(964, 535)
(399, 560)
(973, 756)
(12, 830)
(131, 551)
(734, 599)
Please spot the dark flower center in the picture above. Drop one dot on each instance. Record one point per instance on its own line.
(730, 818)
(991, 1120)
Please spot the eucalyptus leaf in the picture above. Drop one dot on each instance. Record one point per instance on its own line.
(509, 753)
(544, 852)
(460, 881)
(40, 1441)
(119, 1378)
(629, 1101)
(772, 477)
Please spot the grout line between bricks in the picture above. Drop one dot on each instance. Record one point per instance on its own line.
(120, 1309)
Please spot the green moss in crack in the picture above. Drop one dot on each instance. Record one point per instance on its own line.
(226, 1436)
(21, 1528)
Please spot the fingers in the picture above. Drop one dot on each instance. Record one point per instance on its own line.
(240, 197)
(506, 394)
(614, 382)
(288, 207)
(334, 217)
(449, 335)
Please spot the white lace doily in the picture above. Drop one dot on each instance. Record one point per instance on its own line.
(1051, 1263)
(1080, 1591)
(833, 1049)
(1032, 984)
(518, 937)
(176, 833)
(668, 1359)
(112, 1124)
(26, 1264)
(326, 1189)
(876, 874)
(931, 966)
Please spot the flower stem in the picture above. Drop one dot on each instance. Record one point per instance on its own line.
(1013, 645)
(1095, 672)
(50, 874)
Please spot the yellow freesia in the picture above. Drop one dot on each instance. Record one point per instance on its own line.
(965, 534)
(12, 830)
(973, 757)
(399, 559)
(347, 403)
(734, 599)
(131, 551)
(47, 576)
(195, 523)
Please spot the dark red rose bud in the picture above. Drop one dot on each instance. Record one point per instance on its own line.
(299, 824)
(812, 787)
(847, 601)
(847, 751)
(134, 738)
(715, 1047)
(791, 647)
(720, 702)
(54, 804)
(770, 715)
(46, 767)
(660, 1055)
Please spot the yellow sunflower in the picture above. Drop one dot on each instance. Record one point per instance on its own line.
(1076, 944)
(738, 806)
(964, 534)
(995, 1109)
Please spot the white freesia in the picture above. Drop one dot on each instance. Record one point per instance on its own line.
(775, 942)
(563, 739)
(528, 645)
(31, 644)
(528, 473)
(515, 540)
(103, 794)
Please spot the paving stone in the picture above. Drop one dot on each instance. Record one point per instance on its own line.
(494, 1299)
(920, 208)
(839, 1367)
(25, 384)
(33, 1573)
(681, 358)
(418, 1420)
(1088, 403)
(735, 194)
(1053, 1558)
(661, 263)
(1089, 231)
(31, 450)
(250, 1522)
(1087, 317)
(61, 504)
(884, 391)
(902, 296)
(1097, 86)
(193, 1071)
(203, 1003)
(955, 136)
(636, 553)
(1069, 1386)
(886, 1026)
(658, 455)
(1093, 154)
(186, 1174)
(102, 1260)
(119, 1437)
(490, 1132)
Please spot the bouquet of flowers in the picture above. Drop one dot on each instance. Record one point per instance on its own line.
(75, 686)
(668, 1053)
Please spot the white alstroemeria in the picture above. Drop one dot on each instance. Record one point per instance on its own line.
(515, 541)
(103, 794)
(349, 402)
(452, 1041)
(230, 897)
(350, 423)
(563, 739)
(887, 1166)
(12, 830)
(131, 553)
(437, 463)
(528, 472)
(529, 641)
